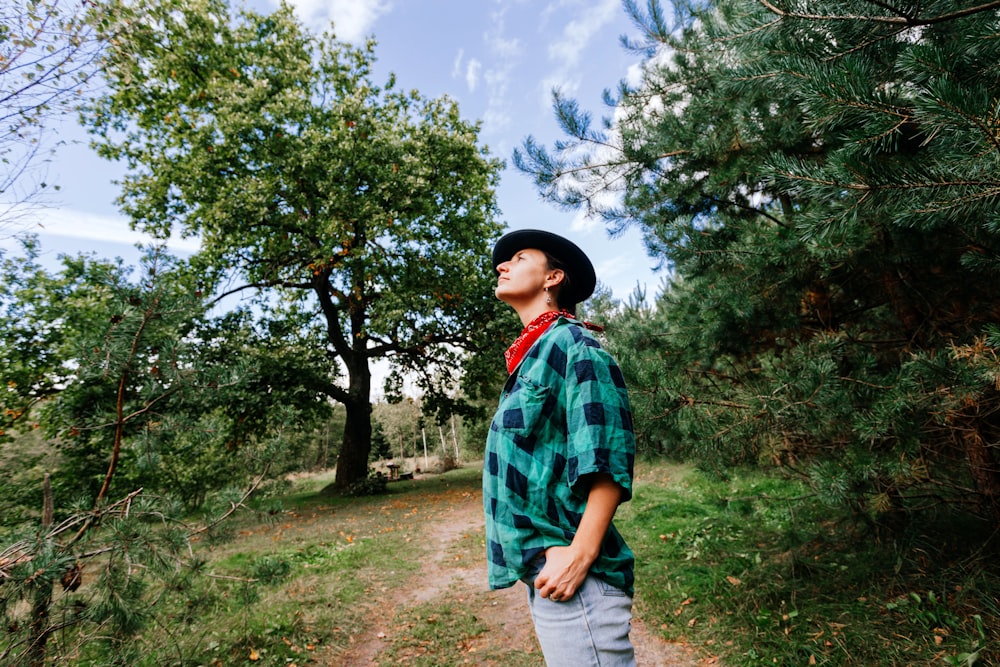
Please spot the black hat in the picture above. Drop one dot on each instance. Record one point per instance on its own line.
(582, 281)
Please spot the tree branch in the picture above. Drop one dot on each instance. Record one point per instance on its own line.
(898, 20)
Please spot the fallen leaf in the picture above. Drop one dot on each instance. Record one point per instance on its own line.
(254, 655)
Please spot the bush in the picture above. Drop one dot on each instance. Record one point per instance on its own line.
(375, 484)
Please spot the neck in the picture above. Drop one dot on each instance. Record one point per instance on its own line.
(530, 313)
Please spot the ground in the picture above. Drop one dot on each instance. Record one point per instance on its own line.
(451, 576)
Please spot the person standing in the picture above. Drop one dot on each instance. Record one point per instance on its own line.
(559, 460)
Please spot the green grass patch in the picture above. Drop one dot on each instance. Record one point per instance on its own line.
(297, 583)
(432, 635)
(756, 571)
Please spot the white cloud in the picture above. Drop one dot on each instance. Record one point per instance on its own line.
(469, 71)
(96, 228)
(353, 20)
(566, 83)
(584, 223)
(498, 114)
(577, 34)
(504, 47)
(472, 74)
(505, 52)
(634, 74)
(566, 51)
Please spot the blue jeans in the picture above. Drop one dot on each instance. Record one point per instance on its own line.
(589, 629)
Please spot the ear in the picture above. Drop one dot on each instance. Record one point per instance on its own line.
(554, 278)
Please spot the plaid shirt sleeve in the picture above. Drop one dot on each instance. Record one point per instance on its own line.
(598, 415)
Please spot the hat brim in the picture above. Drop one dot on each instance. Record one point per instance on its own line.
(583, 279)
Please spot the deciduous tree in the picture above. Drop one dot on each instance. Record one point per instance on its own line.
(360, 215)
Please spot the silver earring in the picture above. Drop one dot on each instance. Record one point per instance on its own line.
(548, 297)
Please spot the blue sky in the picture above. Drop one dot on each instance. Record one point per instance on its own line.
(499, 59)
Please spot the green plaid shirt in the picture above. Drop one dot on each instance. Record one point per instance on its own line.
(564, 414)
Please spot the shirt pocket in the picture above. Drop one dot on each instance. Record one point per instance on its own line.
(524, 409)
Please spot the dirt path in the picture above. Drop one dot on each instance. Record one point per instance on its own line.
(504, 612)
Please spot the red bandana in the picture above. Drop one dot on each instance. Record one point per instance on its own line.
(532, 332)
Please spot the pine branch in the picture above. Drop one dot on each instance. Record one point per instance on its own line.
(690, 402)
(20, 552)
(234, 506)
(904, 20)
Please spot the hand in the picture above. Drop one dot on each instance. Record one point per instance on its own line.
(566, 567)
(564, 571)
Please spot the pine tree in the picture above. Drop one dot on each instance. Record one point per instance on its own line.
(102, 361)
(822, 181)
(146, 407)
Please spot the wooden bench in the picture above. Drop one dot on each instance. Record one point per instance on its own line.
(395, 475)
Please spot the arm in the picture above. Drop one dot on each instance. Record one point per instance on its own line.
(567, 567)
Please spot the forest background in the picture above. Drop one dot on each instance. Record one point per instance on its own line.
(821, 181)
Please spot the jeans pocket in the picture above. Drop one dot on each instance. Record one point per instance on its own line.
(610, 591)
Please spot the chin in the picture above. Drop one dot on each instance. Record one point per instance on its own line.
(502, 295)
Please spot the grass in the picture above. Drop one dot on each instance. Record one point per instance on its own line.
(749, 570)
(756, 572)
(300, 585)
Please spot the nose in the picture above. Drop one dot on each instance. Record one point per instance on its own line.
(503, 267)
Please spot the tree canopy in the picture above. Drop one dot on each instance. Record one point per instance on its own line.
(359, 216)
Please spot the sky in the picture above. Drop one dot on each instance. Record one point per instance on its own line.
(499, 59)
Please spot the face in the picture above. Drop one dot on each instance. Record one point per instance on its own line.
(524, 276)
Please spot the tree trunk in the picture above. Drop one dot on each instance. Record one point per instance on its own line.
(985, 470)
(352, 462)
(38, 632)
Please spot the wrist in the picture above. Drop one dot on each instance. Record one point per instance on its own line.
(585, 554)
